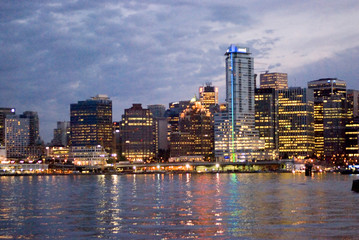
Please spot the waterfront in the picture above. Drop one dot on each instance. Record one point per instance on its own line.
(167, 206)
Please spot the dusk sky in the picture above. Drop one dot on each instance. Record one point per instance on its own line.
(155, 52)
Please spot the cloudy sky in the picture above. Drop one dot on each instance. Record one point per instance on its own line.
(154, 52)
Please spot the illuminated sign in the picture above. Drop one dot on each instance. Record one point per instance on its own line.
(243, 50)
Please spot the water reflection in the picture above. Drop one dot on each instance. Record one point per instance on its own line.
(166, 206)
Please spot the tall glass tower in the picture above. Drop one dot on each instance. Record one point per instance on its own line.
(236, 138)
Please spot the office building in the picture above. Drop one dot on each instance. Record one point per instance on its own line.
(3, 113)
(295, 123)
(353, 103)
(275, 80)
(208, 96)
(352, 127)
(266, 116)
(17, 136)
(93, 156)
(91, 122)
(352, 140)
(157, 110)
(61, 134)
(330, 117)
(34, 127)
(195, 135)
(161, 130)
(138, 134)
(236, 138)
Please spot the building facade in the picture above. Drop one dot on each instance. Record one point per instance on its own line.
(3, 113)
(266, 116)
(195, 135)
(91, 122)
(61, 134)
(208, 96)
(330, 117)
(17, 136)
(295, 123)
(275, 80)
(236, 138)
(157, 110)
(34, 127)
(138, 134)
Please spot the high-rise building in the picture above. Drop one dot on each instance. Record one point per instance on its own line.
(172, 114)
(266, 116)
(17, 136)
(295, 123)
(3, 113)
(236, 138)
(352, 126)
(330, 117)
(34, 126)
(275, 80)
(161, 129)
(61, 134)
(138, 134)
(195, 135)
(352, 140)
(353, 103)
(157, 110)
(208, 96)
(91, 122)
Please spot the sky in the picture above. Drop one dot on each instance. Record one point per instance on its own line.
(54, 53)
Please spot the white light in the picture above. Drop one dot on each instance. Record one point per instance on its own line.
(217, 165)
(244, 50)
(187, 165)
(158, 166)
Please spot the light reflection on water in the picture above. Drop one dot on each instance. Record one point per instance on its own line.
(167, 206)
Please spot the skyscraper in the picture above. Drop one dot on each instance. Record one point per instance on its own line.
(91, 122)
(330, 116)
(161, 129)
(138, 134)
(61, 134)
(195, 135)
(295, 122)
(352, 126)
(235, 136)
(3, 113)
(17, 136)
(266, 116)
(208, 95)
(275, 80)
(34, 126)
(157, 110)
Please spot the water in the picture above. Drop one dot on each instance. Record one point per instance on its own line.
(179, 206)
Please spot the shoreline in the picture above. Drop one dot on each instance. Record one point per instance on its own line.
(144, 173)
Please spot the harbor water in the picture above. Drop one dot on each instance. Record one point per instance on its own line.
(179, 206)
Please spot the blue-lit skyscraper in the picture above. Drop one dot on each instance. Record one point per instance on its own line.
(235, 136)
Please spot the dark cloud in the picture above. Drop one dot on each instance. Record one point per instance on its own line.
(342, 66)
(57, 53)
(270, 67)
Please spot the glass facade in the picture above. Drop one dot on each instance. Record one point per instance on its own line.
(330, 117)
(265, 116)
(236, 138)
(278, 81)
(17, 136)
(208, 96)
(295, 123)
(138, 134)
(91, 122)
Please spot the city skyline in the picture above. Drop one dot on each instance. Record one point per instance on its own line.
(156, 53)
